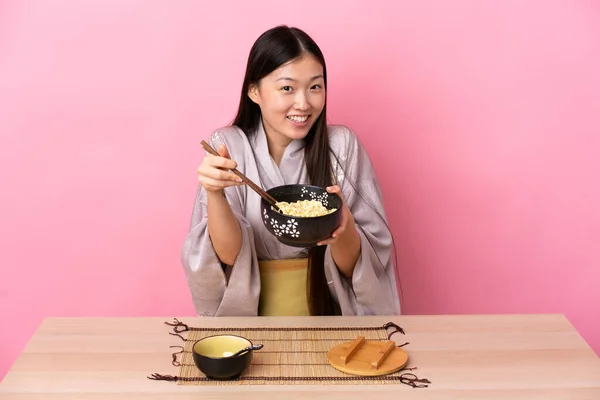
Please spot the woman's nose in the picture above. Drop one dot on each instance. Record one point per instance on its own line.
(301, 102)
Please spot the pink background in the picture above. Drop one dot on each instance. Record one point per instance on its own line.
(482, 119)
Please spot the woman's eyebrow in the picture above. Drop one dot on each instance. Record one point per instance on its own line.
(286, 78)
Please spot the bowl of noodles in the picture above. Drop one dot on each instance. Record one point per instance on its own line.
(309, 214)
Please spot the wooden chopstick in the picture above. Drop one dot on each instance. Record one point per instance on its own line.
(270, 199)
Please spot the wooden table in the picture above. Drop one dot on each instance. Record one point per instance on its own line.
(465, 357)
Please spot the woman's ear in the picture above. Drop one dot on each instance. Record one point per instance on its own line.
(253, 93)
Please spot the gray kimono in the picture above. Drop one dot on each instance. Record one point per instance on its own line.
(215, 292)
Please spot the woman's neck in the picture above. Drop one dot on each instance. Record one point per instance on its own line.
(276, 143)
(276, 150)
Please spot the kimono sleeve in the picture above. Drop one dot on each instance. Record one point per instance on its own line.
(372, 290)
(216, 289)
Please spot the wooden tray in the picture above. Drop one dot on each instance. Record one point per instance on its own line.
(367, 357)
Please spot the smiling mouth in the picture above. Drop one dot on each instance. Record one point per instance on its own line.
(297, 118)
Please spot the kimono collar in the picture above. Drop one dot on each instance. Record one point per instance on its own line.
(288, 168)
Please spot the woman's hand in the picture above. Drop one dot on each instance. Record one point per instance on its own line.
(344, 241)
(214, 174)
(345, 221)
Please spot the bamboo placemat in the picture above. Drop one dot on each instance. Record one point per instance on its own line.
(289, 356)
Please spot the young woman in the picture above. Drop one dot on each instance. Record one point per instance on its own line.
(233, 265)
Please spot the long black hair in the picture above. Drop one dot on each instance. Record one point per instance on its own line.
(271, 50)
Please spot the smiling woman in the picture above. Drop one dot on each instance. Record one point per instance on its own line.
(290, 105)
(234, 266)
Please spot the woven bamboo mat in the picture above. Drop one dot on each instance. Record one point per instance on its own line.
(289, 356)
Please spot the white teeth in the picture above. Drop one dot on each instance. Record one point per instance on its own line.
(296, 118)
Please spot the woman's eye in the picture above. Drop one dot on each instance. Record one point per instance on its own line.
(287, 88)
(316, 87)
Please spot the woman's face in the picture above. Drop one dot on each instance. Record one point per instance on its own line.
(291, 98)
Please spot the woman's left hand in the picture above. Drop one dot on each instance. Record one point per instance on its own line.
(346, 220)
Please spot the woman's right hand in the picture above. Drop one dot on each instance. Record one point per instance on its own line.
(214, 173)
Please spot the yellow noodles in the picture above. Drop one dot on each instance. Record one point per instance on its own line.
(304, 208)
